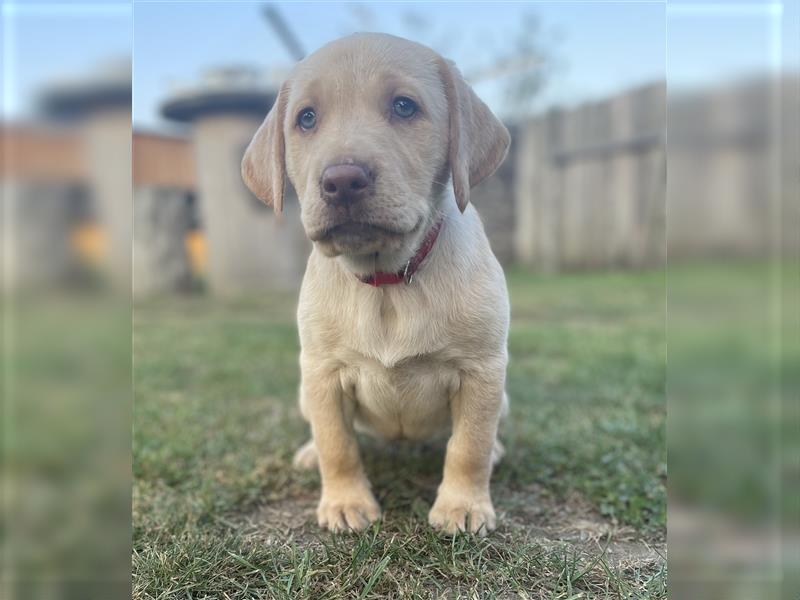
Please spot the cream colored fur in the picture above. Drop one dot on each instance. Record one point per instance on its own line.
(412, 361)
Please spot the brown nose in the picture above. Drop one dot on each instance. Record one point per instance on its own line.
(343, 184)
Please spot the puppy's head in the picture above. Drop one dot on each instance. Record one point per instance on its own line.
(369, 128)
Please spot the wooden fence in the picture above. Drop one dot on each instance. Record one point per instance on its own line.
(590, 184)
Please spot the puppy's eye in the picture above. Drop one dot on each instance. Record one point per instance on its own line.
(307, 119)
(403, 107)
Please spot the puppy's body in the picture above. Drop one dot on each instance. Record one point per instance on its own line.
(382, 140)
(400, 350)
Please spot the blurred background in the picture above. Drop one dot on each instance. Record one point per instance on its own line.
(65, 242)
(577, 125)
(650, 138)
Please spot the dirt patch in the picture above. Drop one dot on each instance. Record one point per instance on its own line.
(530, 513)
(574, 521)
(280, 521)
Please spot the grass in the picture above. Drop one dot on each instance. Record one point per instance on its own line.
(219, 513)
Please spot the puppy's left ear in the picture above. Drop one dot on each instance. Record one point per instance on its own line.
(478, 140)
(264, 162)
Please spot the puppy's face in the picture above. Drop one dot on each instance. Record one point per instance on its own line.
(366, 136)
(369, 129)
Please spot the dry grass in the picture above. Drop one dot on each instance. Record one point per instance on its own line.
(219, 513)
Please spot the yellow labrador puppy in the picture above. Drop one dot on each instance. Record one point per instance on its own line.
(403, 312)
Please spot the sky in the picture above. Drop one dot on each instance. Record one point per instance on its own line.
(45, 42)
(593, 48)
(590, 54)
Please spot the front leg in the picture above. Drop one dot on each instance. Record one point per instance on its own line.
(463, 501)
(347, 501)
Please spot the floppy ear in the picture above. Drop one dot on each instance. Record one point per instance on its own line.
(478, 140)
(264, 162)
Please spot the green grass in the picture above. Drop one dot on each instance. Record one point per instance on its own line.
(219, 513)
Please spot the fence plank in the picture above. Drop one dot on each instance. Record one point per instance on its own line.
(590, 184)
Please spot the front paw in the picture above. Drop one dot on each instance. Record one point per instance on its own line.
(347, 510)
(454, 512)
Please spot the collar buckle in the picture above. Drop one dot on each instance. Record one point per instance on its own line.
(408, 276)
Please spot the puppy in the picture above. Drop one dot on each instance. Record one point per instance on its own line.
(403, 311)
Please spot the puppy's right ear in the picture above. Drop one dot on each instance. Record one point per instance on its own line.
(264, 162)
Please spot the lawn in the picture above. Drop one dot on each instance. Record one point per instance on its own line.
(580, 495)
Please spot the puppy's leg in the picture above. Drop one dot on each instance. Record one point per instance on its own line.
(498, 452)
(347, 501)
(463, 501)
(306, 457)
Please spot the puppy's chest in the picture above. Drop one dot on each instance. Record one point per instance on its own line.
(408, 401)
(396, 329)
(400, 374)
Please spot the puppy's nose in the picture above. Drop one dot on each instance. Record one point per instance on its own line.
(343, 184)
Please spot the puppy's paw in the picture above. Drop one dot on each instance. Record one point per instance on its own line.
(306, 457)
(347, 511)
(453, 512)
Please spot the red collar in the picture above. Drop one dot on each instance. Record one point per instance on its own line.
(407, 274)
